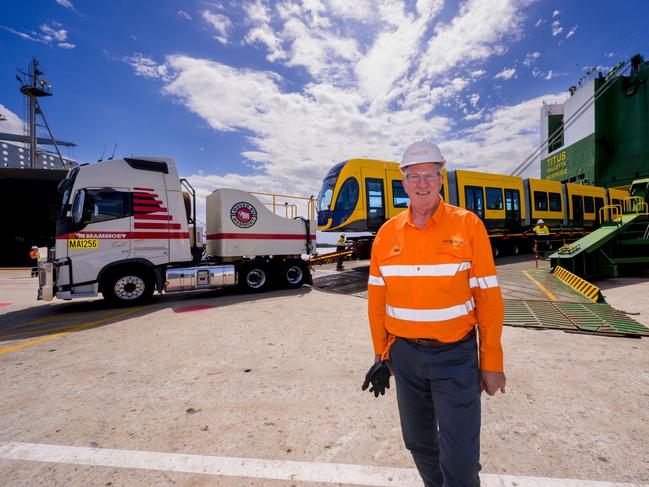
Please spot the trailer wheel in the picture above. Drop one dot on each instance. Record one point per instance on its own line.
(495, 249)
(293, 274)
(127, 287)
(254, 278)
(515, 248)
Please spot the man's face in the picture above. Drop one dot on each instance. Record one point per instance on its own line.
(422, 183)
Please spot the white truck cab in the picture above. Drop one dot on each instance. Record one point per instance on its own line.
(123, 231)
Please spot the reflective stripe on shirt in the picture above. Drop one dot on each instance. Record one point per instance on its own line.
(377, 281)
(433, 270)
(441, 314)
(483, 282)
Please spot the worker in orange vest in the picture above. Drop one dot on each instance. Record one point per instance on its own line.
(33, 255)
(432, 283)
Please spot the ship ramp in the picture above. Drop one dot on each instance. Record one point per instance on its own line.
(605, 252)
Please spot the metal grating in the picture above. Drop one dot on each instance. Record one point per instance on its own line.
(595, 318)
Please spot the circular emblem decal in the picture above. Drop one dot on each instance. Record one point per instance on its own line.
(243, 215)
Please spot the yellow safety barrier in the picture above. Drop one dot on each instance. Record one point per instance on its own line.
(614, 211)
(580, 285)
(636, 205)
(330, 258)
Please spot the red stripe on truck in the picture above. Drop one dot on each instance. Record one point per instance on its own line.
(157, 226)
(149, 209)
(146, 202)
(143, 189)
(254, 236)
(140, 216)
(144, 195)
(123, 235)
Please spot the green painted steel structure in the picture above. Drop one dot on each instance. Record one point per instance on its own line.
(618, 151)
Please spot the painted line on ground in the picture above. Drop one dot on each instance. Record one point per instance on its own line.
(72, 329)
(339, 473)
(541, 286)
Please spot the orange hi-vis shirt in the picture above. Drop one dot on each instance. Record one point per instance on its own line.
(436, 282)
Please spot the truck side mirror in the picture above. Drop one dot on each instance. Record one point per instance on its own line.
(78, 206)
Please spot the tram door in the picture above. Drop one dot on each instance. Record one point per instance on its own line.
(512, 208)
(577, 210)
(474, 198)
(375, 203)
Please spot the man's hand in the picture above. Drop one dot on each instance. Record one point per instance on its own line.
(379, 377)
(490, 382)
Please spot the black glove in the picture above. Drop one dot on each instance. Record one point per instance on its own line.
(379, 377)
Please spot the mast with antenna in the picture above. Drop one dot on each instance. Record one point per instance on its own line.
(33, 87)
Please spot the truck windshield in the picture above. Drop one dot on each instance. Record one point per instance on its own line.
(65, 187)
(328, 185)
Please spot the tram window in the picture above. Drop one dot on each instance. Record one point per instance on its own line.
(494, 199)
(399, 196)
(615, 201)
(589, 205)
(474, 199)
(555, 201)
(540, 201)
(348, 196)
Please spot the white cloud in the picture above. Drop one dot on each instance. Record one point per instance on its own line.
(66, 3)
(531, 57)
(21, 34)
(506, 73)
(556, 28)
(11, 124)
(539, 23)
(47, 35)
(373, 84)
(610, 54)
(503, 142)
(550, 75)
(183, 15)
(221, 24)
(50, 34)
(572, 32)
(556, 13)
(147, 67)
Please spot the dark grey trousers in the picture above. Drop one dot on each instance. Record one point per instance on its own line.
(438, 392)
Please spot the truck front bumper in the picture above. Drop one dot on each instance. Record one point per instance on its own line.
(46, 281)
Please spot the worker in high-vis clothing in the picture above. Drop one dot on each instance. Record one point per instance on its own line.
(542, 236)
(33, 255)
(432, 288)
(340, 246)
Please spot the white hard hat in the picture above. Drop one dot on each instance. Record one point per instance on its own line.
(421, 152)
(540, 222)
(34, 247)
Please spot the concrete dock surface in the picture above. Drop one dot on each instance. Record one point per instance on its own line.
(226, 389)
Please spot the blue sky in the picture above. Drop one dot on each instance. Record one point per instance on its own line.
(267, 96)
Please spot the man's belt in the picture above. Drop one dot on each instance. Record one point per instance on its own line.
(431, 342)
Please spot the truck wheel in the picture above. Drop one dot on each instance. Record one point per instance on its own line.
(293, 274)
(127, 288)
(254, 278)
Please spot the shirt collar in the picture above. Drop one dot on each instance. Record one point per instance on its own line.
(436, 217)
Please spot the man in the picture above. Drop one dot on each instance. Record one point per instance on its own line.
(432, 280)
(340, 245)
(542, 236)
(33, 255)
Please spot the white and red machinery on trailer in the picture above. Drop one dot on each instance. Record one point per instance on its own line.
(123, 230)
